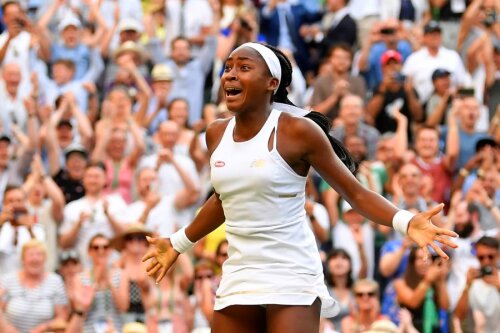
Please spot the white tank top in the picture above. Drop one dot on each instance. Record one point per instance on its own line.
(273, 256)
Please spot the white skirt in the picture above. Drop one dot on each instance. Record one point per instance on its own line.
(264, 268)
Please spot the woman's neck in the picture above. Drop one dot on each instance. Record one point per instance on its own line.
(31, 280)
(340, 282)
(249, 123)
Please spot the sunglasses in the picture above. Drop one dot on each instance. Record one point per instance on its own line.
(486, 256)
(201, 277)
(100, 247)
(369, 294)
(136, 237)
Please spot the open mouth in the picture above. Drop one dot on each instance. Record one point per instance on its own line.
(232, 91)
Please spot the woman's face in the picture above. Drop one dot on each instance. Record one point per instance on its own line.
(136, 244)
(179, 112)
(116, 145)
(366, 297)
(34, 261)
(339, 265)
(99, 250)
(121, 102)
(421, 265)
(222, 255)
(37, 193)
(246, 81)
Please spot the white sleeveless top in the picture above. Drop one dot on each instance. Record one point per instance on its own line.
(273, 257)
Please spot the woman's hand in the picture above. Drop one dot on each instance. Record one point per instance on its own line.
(424, 233)
(162, 257)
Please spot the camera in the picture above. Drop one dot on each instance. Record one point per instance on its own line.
(399, 77)
(21, 22)
(491, 18)
(17, 214)
(486, 270)
(466, 92)
(387, 31)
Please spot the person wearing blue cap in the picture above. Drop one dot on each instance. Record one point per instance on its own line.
(273, 278)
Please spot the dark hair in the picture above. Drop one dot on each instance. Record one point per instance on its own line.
(340, 46)
(490, 242)
(281, 96)
(176, 39)
(99, 235)
(328, 275)
(65, 62)
(98, 164)
(7, 3)
(411, 277)
(10, 188)
(221, 244)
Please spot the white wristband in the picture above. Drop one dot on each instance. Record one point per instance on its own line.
(401, 220)
(180, 242)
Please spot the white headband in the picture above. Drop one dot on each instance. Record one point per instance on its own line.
(269, 57)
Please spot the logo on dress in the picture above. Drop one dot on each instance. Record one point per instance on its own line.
(258, 163)
(219, 164)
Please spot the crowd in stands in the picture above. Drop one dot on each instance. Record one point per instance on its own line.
(103, 110)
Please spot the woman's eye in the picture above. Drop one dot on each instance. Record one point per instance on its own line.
(227, 68)
(245, 67)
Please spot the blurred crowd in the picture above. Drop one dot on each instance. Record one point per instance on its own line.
(103, 111)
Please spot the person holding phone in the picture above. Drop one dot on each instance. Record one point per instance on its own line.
(273, 278)
(482, 290)
(395, 92)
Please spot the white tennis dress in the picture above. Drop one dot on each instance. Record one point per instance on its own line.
(273, 257)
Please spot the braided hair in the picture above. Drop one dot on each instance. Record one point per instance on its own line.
(281, 96)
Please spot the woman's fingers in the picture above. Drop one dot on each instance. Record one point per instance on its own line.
(444, 240)
(425, 251)
(149, 255)
(155, 269)
(439, 251)
(434, 210)
(151, 240)
(151, 265)
(162, 274)
(447, 232)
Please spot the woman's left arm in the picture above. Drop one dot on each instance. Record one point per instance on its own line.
(315, 149)
(120, 293)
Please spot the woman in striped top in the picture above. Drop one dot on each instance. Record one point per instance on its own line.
(29, 286)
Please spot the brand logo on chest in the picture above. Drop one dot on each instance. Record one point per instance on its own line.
(219, 164)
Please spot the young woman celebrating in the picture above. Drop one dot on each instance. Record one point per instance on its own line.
(273, 279)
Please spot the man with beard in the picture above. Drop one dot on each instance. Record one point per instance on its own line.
(464, 218)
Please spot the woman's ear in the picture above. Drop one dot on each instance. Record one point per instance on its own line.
(273, 84)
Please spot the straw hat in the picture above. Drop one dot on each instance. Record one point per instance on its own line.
(131, 47)
(383, 326)
(135, 229)
(134, 328)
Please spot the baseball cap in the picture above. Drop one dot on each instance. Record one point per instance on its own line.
(440, 72)
(391, 55)
(5, 137)
(68, 255)
(75, 148)
(128, 24)
(432, 26)
(162, 72)
(488, 141)
(69, 20)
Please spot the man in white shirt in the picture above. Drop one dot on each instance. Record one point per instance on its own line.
(420, 65)
(12, 110)
(177, 173)
(157, 212)
(17, 227)
(92, 214)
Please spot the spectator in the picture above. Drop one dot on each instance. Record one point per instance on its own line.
(448, 13)
(367, 306)
(18, 226)
(190, 73)
(92, 214)
(339, 279)
(178, 111)
(12, 110)
(46, 203)
(202, 299)
(421, 64)
(330, 88)
(481, 294)
(29, 286)
(384, 36)
(356, 237)
(133, 246)
(423, 290)
(366, 14)
(280, 24)
(157, 112)
(69, 268)
(120, 165)
(102, 292)
(351, 122)
(439, 103)
(395, 92)
(177, 173)
(409, 12)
